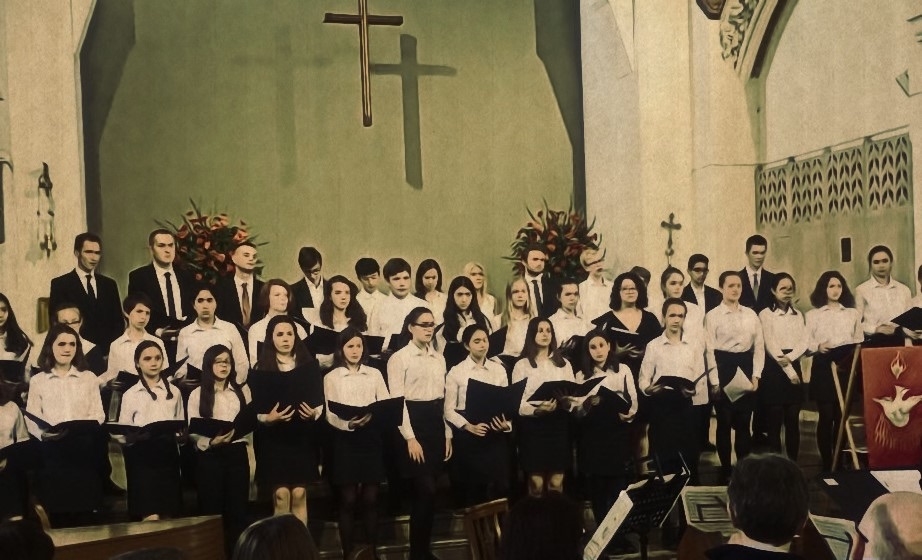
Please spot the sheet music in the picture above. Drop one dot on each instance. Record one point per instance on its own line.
(899, 481)
(706, 509)
(738, 387)
(609, 526)
(840, 534)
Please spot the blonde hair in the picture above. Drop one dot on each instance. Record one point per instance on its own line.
(468, 270)
(507, 311)
(588, 256)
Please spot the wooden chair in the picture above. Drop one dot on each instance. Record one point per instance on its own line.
(483, 526)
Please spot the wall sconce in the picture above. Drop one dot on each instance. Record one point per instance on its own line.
(45, 213)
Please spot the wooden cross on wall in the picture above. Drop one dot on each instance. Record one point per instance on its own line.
(671, 226)
(363, 19)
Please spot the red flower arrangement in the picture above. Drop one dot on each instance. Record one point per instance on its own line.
(563, 234)
(204, 243)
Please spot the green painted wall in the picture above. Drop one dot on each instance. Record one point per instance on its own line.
(253, 107)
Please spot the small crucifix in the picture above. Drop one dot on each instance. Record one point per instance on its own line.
(363, 19)
(671, 226)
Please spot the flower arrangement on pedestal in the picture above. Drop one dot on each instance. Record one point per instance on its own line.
(204, 243)
(563, 234)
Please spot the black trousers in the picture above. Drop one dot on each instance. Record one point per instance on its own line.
(222, 475)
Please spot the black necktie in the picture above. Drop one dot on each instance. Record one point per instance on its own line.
(89, 286)
(755, 285)
(538, 303)
(170, 302)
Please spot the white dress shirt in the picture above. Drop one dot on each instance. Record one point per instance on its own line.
(784, 329)
(681, 359)
(370, 301)
(567, 325)
(61, 398)
(257, 333)
(194, 339)
(139, 409)
(833, 326)
(516, 330)
(315, 291)
(535, 377)
(594, 298)
(880, 303)
(488, 307)
(390, 313)
(617, 381)
(12, 425)
(12, 356)
(121, 356)
(416, 374)
(82, 274)
(456, 385)
(177, 295)
(353, 388)
(437, 305)
(226, 407)
(736, 330)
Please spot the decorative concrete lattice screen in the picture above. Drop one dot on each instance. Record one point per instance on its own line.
(873, 175)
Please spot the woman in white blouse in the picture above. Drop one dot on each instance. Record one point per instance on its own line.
(429, 287)
(478, 275)
(516, 316)
(833, 331)
(480, 467)
(880, 299)
(357, 447)
(69, 481)
(780, 390)
(152, 464)
(417, 373)
(544, 443)
(222, 470)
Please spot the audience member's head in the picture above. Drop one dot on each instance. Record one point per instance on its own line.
(282, 537)
(893, 527)
(24, 540)
(548, 527)
(768, 499)
(161, 553)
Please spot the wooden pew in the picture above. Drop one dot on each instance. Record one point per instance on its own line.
(200, 538)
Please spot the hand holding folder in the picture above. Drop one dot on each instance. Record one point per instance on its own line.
(141, 433)
(557, 390)
(243, 424)
(62, 429)
(484, 402)
(385, 414)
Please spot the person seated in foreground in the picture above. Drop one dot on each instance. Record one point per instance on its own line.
(768, 504)
(547, 527)
(276, 538)
(892, 527)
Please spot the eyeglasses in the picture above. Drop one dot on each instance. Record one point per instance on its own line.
(424, 325)
(314, 271)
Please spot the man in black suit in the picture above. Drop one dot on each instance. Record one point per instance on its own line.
(94, 294)
(696, 291)
(308, 291)
(757, 282)
(237, 295)
(168, 287)
(541, 289)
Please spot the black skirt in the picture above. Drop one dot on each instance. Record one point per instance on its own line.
(822, 386)
(70, 479)
(604, 444)
(286, 454)
(727, 364)
(544, 442)
(480, 459)
(358, 456)
(428, 423)
(673, 428)
(13, 492)
(775, 388)
(154, 482)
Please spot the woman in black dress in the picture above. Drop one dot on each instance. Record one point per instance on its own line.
(357, 447)
(286, 439)
(628, 323)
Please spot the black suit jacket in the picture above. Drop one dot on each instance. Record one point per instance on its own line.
(229, 301)
(102, 317)
(748, 299)
(303, 296)
(712, 297)
(144, 280)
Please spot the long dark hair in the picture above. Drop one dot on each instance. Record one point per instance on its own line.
(779, 276)
(354, 311)
(588, 365)
(421, 270)
(267, 358)
(347, 334)
(530, 350)
(16, 339)
(615, 301)
(819, 298)
(206, 398)
(452, 320)
(405, 336)
(145, 344)
(46, 356)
